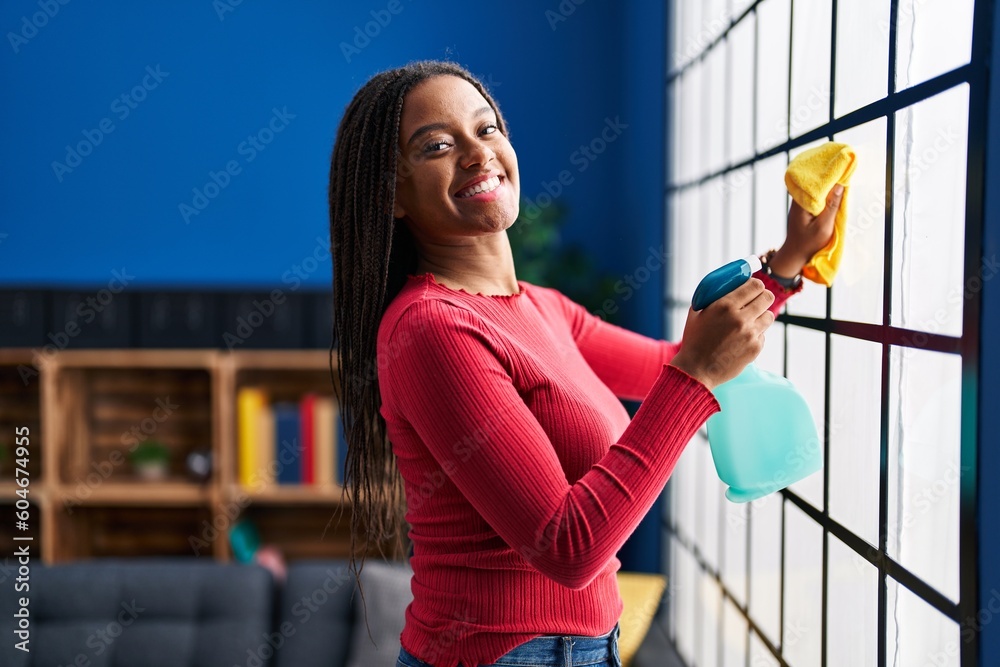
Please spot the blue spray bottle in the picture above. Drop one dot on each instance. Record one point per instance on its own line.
(764, 439)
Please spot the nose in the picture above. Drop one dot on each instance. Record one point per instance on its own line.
(476, 154)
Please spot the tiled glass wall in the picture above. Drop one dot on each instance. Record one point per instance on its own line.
(869, 562)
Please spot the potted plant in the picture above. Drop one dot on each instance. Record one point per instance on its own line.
(150, 460)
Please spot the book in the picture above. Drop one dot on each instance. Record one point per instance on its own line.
(249, 403)
(324, 441)
(288, 447)
(265, 450)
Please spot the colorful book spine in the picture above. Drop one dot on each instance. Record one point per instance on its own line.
(324, 440)
(265, 450)
(306, 408)
(250, 401)
(288, 447)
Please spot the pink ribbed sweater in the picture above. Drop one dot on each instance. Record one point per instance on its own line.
(522, 470)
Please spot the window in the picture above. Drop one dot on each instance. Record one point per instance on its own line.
(870, 561)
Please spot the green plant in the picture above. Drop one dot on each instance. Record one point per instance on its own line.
(148, 452)
(541, 258)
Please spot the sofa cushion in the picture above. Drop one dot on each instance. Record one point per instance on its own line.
(315, 614)
(387, 593)
(142, 613)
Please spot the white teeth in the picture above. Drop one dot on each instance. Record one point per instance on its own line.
(488, 185)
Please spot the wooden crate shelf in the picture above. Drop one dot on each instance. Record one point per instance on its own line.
(87, 409)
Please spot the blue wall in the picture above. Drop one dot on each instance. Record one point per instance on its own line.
(222, 73)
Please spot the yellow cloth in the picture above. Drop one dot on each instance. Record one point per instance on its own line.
(810, 177)
(641, 595)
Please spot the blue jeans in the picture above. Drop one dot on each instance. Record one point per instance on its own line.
(549, 651)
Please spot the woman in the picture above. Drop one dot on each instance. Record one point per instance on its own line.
(498, 400)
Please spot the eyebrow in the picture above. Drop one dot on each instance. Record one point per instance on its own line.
(432, 127)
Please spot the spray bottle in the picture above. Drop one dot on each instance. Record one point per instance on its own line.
(764, 439)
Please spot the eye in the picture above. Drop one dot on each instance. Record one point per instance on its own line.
(489, 129)
(435, 146)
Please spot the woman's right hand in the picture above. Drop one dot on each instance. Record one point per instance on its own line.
(720, 340)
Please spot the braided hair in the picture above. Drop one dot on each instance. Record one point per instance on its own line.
(372, 255)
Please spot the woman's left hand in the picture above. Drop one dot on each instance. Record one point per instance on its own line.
(806, 235)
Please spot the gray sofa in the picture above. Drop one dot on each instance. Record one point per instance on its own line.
(188, 613)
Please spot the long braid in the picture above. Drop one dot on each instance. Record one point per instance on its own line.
(372, 256)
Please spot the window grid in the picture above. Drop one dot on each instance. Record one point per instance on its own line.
(975, 74)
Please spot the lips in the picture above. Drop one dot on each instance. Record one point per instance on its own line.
(479, 185)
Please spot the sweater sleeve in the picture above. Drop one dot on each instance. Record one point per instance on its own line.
(629, 362)
(454, 388)
(626, 361)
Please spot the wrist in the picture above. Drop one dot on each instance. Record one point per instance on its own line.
(786, 264)
(681, 365)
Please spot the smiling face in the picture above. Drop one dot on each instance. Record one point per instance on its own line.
(458, 173)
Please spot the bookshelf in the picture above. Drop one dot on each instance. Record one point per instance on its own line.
(88, 409)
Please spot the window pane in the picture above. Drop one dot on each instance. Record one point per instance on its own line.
(862, 54)
(709, 626)
(771, 205)
(803, 588)
(855, 450)
(686, 576)
(738, 186)
(852, 607)
(711, 491)
(811, 35)
(684, 487)
(917, 633)
(929, 213)
(772, 357)
(685, 265)
(734, 564)
(857, 292)
(924, 465)
(741, 46)
(773, 35)
(760, 656)
(713, 223)
(807, 371)
(933, 37)
(765, 559)
(715, 111)
(689, 135)
(734, 636)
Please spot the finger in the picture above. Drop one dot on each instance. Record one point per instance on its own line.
(760, 303)
(764, 321)
(747, 292)
(835, 197)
